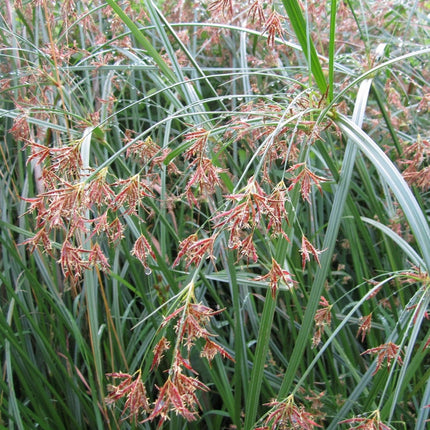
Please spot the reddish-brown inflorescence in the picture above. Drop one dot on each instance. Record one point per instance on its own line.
(256, 11)
(305, 177)
(287, 414)
(67, 159)
(131, 192)
(162, 345)
(386, 352)
(373, 422)
(306, 250)
(251, 209)
(133, 389)
(199, 140)
(276, 275)
(211, 349)
(278, 215)
(178, 394)
(192, 321)
(97, 258)
(72, 261)
(99, 191)
(205, 178)
(142, 150)
(193, 250)
(273, 27)
(221, 6)
(365, 326)
(416, 156)
(322, 319)
(142, 250)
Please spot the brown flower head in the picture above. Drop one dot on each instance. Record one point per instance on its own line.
(275, 275)
(308, 249)
(305, 178)
(142, 250)
(365, 326)
(287, 414)
(194, 250)
(322, 319)
(385, 352)
(273, 27)
(373, 422)
(133, 390)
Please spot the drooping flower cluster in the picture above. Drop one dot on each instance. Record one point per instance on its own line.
(322, 320)
(286, 414)
(275, 276)
(372, 422)
(416, 162)
(365, 326)
(385, 353)
(82, 209)
(205, 176)
(131, 388)
(253, 209)
(179, 393)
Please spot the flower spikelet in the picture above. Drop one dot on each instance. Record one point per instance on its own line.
(143, 150)
(365, 326)
(322, 319)
(251, 208)
(256, 11)
(162, 345)
(72, 262)
(199, 139)
(97, 258)
(205, 178)
(133, 389)
(277, 214)
(385, 352)
(287, 414)
(178, 395)
(142, 250)
(132, 190)
(372, 422)
(193, 250)
(224, 6)
(305, 178)
(193, 324)
(273, 27)
(275, 275)
(308, 249)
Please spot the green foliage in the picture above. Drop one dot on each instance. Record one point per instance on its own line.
(214, 214)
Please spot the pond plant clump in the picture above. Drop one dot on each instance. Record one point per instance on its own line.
(214, 214)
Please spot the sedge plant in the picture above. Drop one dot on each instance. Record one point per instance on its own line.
(214, 214)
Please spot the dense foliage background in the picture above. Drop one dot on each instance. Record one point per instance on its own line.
(214, 214)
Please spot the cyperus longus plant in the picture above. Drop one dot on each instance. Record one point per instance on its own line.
(214, 214)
